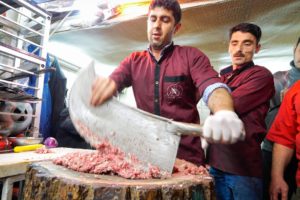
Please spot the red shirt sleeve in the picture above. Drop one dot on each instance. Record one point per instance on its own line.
(122, 74)
(201, 70)
(286, 124)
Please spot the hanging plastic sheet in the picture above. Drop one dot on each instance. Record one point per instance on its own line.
(58, 90)
(45, 121)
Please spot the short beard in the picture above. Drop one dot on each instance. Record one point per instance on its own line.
(157, 46)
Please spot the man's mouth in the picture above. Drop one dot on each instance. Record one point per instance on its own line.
(156, 35)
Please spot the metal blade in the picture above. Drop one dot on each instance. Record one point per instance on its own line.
(149, 137)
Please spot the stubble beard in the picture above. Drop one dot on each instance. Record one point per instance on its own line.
(157, 45)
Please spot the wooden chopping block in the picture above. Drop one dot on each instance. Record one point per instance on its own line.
(45, 180)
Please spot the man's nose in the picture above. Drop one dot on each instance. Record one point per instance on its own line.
(157, 24)
(239, 48)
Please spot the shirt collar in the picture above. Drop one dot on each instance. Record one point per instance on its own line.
(294, 71)
(292, 63)
(238, 69)
(166, 49)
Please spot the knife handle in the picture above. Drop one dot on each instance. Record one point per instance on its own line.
(181, 128)
(32, 147)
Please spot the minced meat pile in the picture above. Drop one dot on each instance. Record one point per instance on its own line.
(107, 159)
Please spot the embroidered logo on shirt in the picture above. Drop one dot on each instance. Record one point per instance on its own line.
(174, 91)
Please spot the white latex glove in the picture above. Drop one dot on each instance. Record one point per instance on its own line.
(224, 127)
(204, 145)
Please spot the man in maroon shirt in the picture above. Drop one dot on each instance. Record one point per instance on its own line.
(168, 80)
(237, 168)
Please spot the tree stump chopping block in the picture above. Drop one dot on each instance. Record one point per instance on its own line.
(45, 180)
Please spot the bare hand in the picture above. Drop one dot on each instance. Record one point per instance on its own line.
(278, 187)
(102, 90)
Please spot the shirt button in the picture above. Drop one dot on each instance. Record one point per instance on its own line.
(156, 100)
(156, 82)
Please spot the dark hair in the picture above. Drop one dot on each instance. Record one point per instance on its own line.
(298, 42)
(172, 5)
(247, 27)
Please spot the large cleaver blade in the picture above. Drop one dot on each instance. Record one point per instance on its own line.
(152, 139)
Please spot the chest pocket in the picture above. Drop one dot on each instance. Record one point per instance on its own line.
(174, 79)
(174, 87)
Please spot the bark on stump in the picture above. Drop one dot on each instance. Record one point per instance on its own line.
(45, 180)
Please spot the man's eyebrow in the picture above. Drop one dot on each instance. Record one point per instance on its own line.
(165, 16)
(249, 41)
(242, 41)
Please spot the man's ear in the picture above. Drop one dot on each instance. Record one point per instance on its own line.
(177, 27)
(258, 46)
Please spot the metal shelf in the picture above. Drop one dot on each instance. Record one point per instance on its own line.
(17, 26)
(13, 69)
(17, 37)
(18, 115)
(16, 10)
(19, 53)
(23, 20)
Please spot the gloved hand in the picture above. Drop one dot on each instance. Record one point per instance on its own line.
(204, 145)
(223, 127)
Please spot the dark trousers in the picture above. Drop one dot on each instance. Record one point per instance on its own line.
(296, 195)
(289, 174)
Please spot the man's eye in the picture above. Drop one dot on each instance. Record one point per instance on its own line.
(166, 19)
(152, 19)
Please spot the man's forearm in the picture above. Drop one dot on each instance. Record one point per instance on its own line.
(220, 99)
(224, 126)
(281, 157)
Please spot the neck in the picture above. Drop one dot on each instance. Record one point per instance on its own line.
(156, 53)
(234, 67)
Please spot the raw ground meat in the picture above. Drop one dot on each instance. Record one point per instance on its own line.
(108, 159)
(43, 150)
(187, 168)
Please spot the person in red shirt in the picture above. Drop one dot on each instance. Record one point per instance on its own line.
(168, 80)
(283, 80)
(284, 132)
(237, 168)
